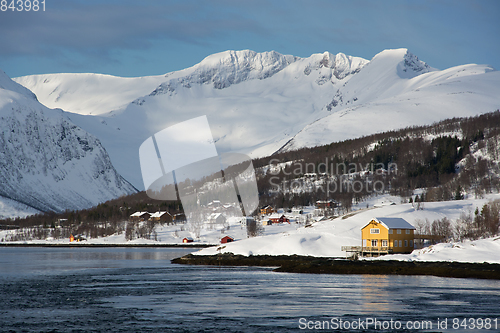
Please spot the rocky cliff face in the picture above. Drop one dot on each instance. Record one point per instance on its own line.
(46, 161)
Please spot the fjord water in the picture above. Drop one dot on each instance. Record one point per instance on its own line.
(138, 290)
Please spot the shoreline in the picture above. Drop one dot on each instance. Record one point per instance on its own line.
(319, 265)
(81, 244)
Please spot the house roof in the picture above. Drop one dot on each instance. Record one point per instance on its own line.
(159, 214)
(138, 214)
(392, 223)
(215, 216)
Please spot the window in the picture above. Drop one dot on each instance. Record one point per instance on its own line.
(390, 231)
(406, 243)
(374, 231)
(400, 243)
(407, 231)
(395, 243)
(364, 242)
(411, 243)
(399, 231)
(374, 243)
(384, 242)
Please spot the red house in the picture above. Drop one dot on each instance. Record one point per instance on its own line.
(226, 239)
(187, 240)
(281, 219)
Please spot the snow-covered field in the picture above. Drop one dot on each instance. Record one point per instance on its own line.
(325, 238)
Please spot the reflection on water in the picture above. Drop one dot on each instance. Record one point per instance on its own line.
(138, 290)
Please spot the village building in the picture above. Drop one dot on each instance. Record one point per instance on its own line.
(246, 220)
(323, 204)
(278, 218)
(179, 217)
(216, 219)
(187, 240)
(161, 217)
(266, 210)
(384, 235)
(140, 216)
(226, 239)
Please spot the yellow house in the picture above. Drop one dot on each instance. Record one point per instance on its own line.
(266, 210)
(384, 235)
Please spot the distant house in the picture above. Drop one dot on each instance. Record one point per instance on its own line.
(59, 222)
(276, 218)
(77, 238)
(214, 204)
(161, 217)
(216, 219)
(140, 216)
(226, 239)
(323, 204)
(187, 240)
(383, 235)
(266, 210)
(179, 217)
(246, 220)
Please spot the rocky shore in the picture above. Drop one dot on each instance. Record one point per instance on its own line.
(315, 265)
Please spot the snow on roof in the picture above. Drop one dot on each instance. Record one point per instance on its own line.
(159, 214)
(393, 223)
(215, 215)
(138, 214)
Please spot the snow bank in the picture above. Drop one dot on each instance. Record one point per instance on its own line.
(482, 250)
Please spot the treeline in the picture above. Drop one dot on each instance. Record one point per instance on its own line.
(398, 161)
(482, 223)
(102, 220)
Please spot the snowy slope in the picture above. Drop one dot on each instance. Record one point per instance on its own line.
(11, 209)
(48, 163)
(88, 93)
(258, 103)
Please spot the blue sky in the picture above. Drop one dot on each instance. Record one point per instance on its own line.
(138, 38)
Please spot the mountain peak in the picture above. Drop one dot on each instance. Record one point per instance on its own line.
(412, 66)
(227, 68)
(407, 64)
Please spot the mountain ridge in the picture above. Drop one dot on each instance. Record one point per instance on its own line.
(258, 103)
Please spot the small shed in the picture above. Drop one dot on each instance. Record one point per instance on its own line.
(187, 240)
(226, 239)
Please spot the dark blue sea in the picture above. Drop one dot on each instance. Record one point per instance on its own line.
(139, 290)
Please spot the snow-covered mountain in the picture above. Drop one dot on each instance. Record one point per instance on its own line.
(47, 162)
(259, 103)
